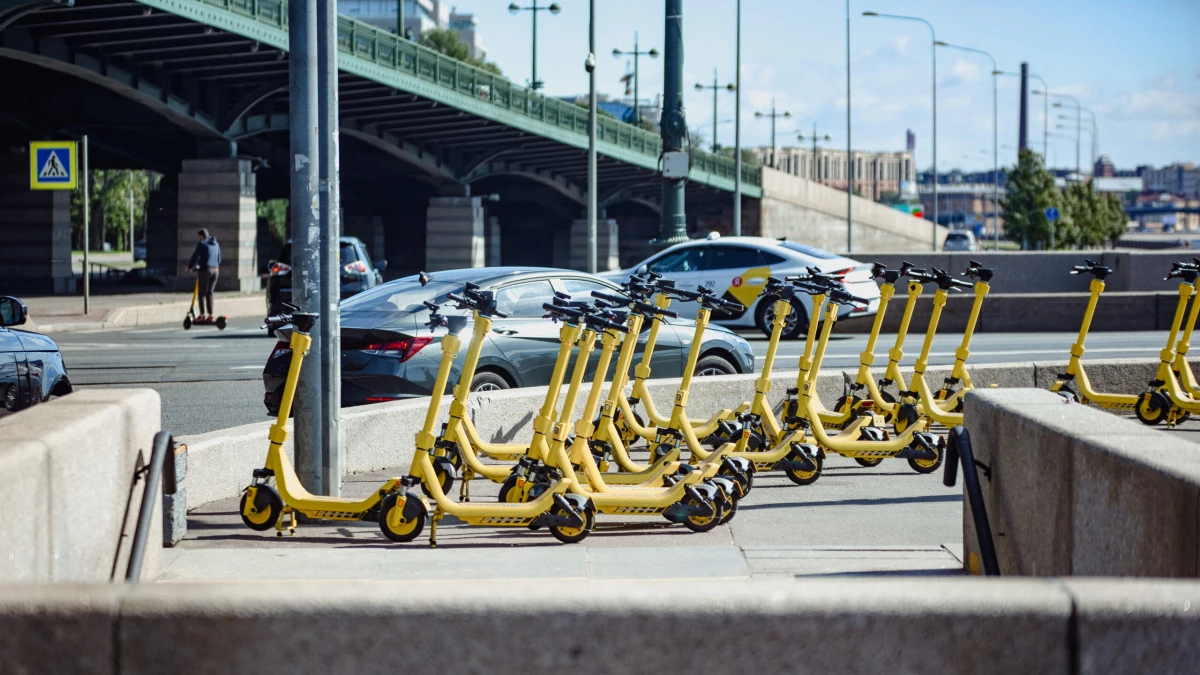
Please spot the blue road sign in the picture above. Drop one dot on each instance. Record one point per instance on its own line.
(1051, 214)
(52, 165)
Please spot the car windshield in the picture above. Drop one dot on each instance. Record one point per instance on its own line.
(957, 235)
(404, 295)
(809, 250)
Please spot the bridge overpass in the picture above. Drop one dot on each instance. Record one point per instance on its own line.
(442, 164)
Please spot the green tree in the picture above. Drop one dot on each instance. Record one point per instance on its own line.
(748, 156)
(446, 41)
(1030, 192)
(275, 212)
(600, 112)
(109, 208)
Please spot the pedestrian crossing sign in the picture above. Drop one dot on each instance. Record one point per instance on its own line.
(52, 165)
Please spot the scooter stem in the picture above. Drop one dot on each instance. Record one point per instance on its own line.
(939, 301)
(450, 345)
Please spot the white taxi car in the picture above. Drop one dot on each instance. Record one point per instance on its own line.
(737, 269)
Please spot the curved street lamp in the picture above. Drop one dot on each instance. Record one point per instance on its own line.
(785, 115)
(553, 8)
(652, 53)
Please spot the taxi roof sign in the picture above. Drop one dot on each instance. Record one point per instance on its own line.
(52, 165)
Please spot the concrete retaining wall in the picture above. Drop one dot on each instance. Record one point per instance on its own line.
(1078, 491)
(382, 435)
(1047, 271)
(819, 626)
(67, 469)
(807, 211)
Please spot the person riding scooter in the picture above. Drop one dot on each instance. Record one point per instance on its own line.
(206, 260)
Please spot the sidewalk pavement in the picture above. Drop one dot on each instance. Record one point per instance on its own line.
(60, 313)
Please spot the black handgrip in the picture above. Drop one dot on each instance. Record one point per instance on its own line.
(564, 312)
(647, 308)
(680, 293)
(730, 305)
(960, 282)
(455, 297)
(844, 297)
(615, 299)
(277, 321)
(499, 314)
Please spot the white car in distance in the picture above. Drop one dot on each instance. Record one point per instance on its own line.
(736, 268)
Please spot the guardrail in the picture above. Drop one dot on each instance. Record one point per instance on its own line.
(385, 49)
(959, 445)
(159, 470)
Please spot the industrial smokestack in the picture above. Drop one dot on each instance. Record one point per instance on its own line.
(1022, 133)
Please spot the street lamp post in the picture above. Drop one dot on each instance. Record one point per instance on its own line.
(932, 40)
(815, 139)
(737, 126)
(1078, 108)
(533, 9)
(785, 114)
(716, 88)
(1092, 131)
(850, 164)
(996, 72)
(652, 53)
(590, 66)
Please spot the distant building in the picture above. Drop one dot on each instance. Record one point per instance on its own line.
(876, 174)
(1104, 168)
(962, 205)
(1126, 188)
(419, 16)
(622, 108)
(1176, 179)
(1165, 212)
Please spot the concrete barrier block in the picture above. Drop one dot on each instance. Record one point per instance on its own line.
(608, 627)
(384, 435)
(64, 628)
(25, 501)
(1135, 627)
(175, 505)
(1136, 496)
(220, 462)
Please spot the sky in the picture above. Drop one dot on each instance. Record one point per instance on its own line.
(1132, 63)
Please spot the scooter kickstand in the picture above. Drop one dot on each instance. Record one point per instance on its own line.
(437, 515)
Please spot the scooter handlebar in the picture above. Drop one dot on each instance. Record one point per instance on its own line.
(600, 323)
(471, 298)
(553, 311)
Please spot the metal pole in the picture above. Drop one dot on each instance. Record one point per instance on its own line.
(330, 224)
(1023, 110)
(849, 146)
(306, 239)
(131, 209)
(400, 18)
(715, 125)
(593, 265)
(637, 108)
(86, 175)
(1078, 115)
(934, 242)
(673, 226)
(535, 86)
(772, 132)
(996, 157)
(737, 128)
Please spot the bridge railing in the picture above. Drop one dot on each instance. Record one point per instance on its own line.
(386, 49)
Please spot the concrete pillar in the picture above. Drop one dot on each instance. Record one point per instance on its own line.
(607, 257)
(492, 241)
(454, 236)
(35, 233)
(219, 194)
(162, 233)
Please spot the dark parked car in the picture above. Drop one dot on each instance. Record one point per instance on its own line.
(358, 273)
(388, 353)
(31, 367)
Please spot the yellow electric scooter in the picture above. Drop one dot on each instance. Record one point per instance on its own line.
(568, 516)
(1165, 399)
(1074, 383)
(275, 490)
(945, 405)
(860, 438)
(1183, 369)
(700, 506)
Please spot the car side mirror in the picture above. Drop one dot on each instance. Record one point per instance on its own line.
(644, 269)
(380, 265)
(13, 312)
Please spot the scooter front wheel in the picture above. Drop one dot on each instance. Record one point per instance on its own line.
(698, 523)
(402, 523)
(267, 508)
(187, 322)
(221, 323)
(443, 469)
(802, 477)
(929, 465)
(572, 535)
(1152, 407)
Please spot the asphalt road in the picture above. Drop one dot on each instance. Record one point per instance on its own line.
(211, 379)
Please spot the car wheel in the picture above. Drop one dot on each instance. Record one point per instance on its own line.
(10, 399)
(714, 365)
(488, 381)
(795, 325)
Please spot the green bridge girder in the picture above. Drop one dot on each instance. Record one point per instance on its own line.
(380, 56)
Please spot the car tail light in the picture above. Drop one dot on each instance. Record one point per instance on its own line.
(842, 273)
(278, 268)
(405, 349)
(379, 399)
(356, 267)
(280, 348)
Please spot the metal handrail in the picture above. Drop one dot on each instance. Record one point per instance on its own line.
(386, 49)
(160, 468)
(959, 445)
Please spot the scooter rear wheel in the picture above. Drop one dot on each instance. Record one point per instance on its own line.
(572, 535)
(697, 523)
(187, 322)
(221, 322)
(267, 509)
(443, 468)
(801, 477)
(1152, 407)
(410, 521)
(929, 465)
(731, 508)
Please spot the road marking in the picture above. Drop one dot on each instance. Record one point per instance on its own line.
(147, 331)
(244, 367)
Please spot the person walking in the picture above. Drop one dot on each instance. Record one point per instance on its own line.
(207, 261)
